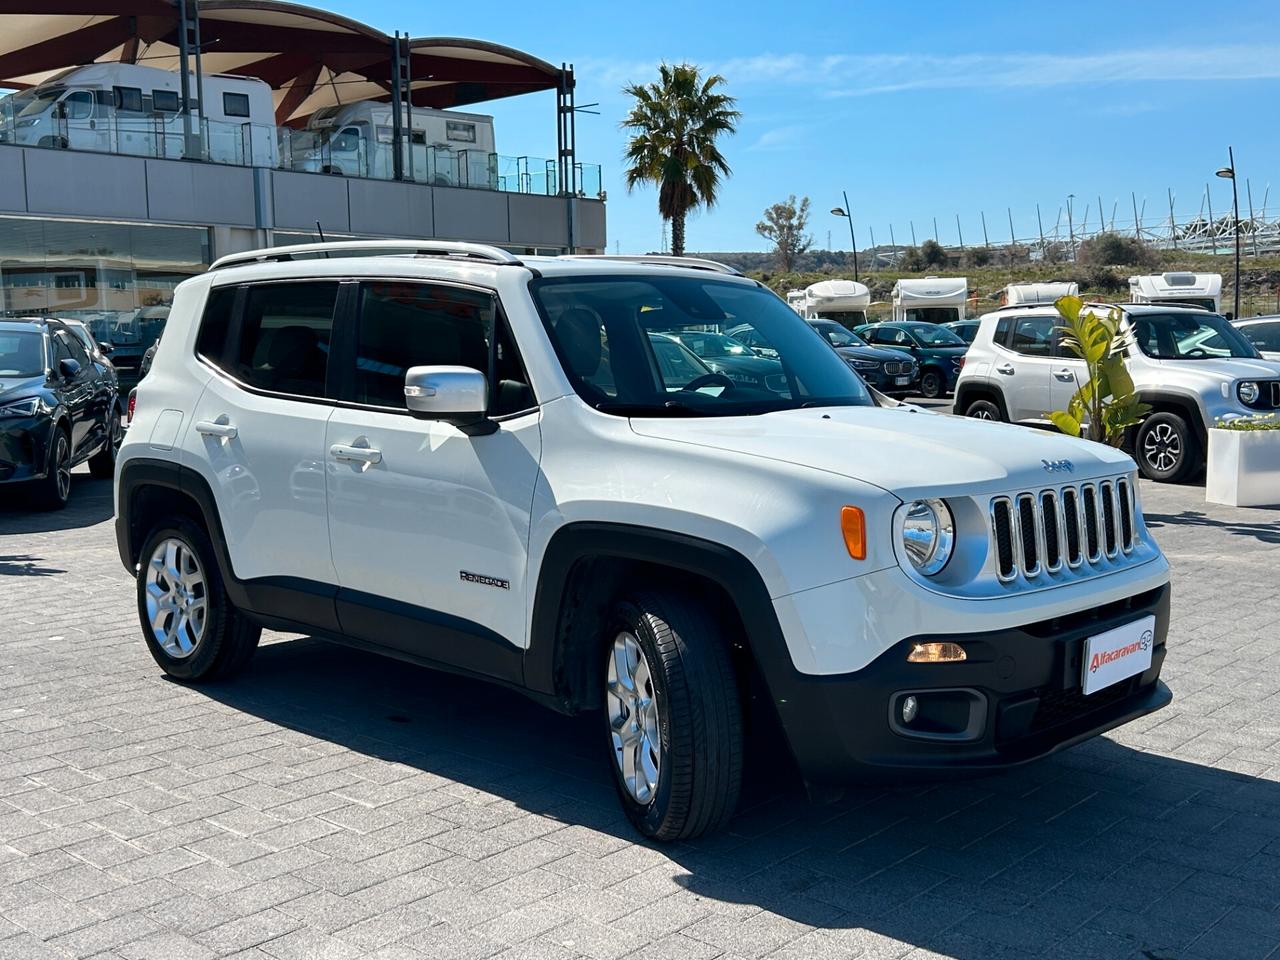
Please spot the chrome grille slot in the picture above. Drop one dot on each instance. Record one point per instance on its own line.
(1068, 531)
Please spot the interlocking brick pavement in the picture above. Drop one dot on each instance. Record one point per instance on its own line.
(333, 804)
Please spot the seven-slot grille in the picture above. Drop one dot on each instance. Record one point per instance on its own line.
(1074, 526)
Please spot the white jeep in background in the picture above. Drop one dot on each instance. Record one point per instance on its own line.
(1190, 366)
(475, 462)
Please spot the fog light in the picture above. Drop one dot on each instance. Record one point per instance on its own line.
(936, 653)
(909, 709)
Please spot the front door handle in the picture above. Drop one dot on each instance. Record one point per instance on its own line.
(214, 428)
(1067, 376)
(351, 454)
(1005, 368)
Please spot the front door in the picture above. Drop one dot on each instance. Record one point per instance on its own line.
(1026, 376)
(430, 525)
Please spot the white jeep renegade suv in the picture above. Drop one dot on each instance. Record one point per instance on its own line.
(1191, 366)
(493, 466)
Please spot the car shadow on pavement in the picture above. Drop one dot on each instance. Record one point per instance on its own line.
(1265, 532)
(1103, 851)
(91, 503)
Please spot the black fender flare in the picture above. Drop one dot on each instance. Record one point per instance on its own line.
(1181, 403)
(966, 393)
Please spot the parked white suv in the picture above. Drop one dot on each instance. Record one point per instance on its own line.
(476, 462)
(1191, 366)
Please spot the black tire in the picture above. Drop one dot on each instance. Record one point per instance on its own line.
(1167, 449)
(229, 639)
(53, 492)
(932, 383)
(984, 410)
(102, 465)
(700, 716)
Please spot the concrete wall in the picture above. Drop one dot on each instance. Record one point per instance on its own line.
(65, 183)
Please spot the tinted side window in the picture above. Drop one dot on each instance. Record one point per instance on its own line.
(1264, 336)
(1004, 326)
(235, 104)
(1033, 336)
(78, 352)
(61, 351)
(284, 337)
(211, 342)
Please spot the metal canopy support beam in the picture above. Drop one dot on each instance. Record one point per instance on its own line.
(184, 75)
(397, 99)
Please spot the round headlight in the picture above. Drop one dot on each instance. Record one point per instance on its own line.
(1249, 391)
(928, 535)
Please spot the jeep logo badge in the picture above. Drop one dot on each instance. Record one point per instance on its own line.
(1058, 466)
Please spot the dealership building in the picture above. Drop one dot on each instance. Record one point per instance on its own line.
(117, 183)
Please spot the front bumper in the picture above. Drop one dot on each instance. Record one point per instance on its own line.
(23, 448)
(1023, 684)
(886, 384)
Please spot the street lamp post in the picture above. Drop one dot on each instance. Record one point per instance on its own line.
(847, 213)
(1229, 173)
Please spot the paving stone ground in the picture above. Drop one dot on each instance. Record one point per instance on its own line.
(333, 804)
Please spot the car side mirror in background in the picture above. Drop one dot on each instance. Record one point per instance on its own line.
(457, 395)
(1230, 316)
(68, 369)
(106, 349)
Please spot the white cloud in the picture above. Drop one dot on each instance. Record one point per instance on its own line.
(779, 138)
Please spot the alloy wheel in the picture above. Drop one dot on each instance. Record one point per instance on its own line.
(1162, 447)
(62, 465)
(632, 706)
(177, 598)
(982, 413)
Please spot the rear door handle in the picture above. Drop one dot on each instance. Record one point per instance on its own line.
(1005, 368)
(211, 428)
(349, 454)
(1065, 375)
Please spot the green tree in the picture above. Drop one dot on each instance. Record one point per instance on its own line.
(1104, 406)
(934, 255)
(912, 259)
(783, 225)
(674, 127)
(1111, 249)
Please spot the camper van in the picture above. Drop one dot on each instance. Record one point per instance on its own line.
(844, 301)
(931, 300)
(795, 300)
(125, 108)
(1202, 290)
(446, 148)
(1030, 293)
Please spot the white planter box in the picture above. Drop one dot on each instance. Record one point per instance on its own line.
(1244, 468)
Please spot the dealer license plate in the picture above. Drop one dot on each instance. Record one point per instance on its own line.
(1118, 654)
(902, 381)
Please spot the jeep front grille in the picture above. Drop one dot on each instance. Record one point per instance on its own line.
(1090, 525)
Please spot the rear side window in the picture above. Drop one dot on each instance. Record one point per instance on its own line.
(283, 342)
(235, 104)
(1004, 326)
(212, 340)
(165, 101)
(129, 99)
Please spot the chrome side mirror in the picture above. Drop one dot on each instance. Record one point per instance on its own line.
(457, 395)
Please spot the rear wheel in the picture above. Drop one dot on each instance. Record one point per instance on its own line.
(673, 717)
(54, 490)
(1166, 448)
(983, 410)
(932, 385)
(190, 625)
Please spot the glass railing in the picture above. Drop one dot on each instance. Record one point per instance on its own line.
(174, 137)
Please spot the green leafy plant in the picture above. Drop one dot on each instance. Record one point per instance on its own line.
(1266, 421)
(1105, 405)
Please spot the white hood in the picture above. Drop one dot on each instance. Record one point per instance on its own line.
(1215, 371)
(909, 453)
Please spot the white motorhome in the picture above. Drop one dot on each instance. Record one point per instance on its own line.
(1178, 289)
(125, 108)
(795, 300)
(1029, 293)
(844, 301)
(932, 299)
(445, 148)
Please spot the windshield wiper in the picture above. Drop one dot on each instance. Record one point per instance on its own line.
(670, 408)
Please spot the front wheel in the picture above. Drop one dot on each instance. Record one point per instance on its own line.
(1166, 448)
(54, 490)
(673, 717)
(932, 385)
(190, 625)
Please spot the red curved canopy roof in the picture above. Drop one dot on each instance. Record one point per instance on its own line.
(311, 58)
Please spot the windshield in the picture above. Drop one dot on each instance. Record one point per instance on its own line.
(621, 340)
(1204, 303)
(40, 102)
(933, 314)
(712, 345)
(1189, 336)
(934, 336)
(21, 353)
(837, 335)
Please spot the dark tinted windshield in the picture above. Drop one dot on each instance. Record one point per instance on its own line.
(21, 353)
(619, 337)
(933, 336)
(837, 335)
(1188, 336)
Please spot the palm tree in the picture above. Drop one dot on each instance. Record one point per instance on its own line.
(674, 125)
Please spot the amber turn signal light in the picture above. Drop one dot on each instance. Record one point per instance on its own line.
(936, 653)
(854, 527)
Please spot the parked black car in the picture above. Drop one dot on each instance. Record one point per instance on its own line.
(939, 352)
(966, 330)
(57, 409)
(733, 358)
(892, 372)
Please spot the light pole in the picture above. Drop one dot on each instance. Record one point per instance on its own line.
(848, 214)
(1229, 173)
